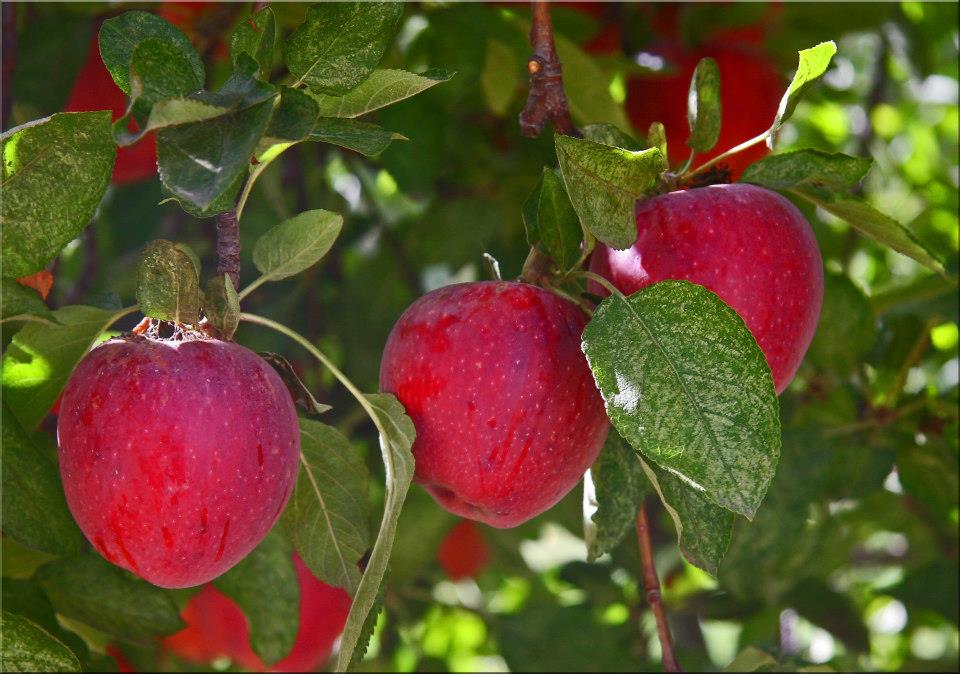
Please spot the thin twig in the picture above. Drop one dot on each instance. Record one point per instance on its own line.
(228, 246)
(9, 59)
(547, 100)
(651, 583)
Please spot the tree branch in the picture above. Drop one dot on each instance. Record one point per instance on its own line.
(228, 246)
(547, 100)
(651, 584)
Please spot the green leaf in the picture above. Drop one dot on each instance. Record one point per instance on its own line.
(703, 106)
(201, 162)
(369, 625)
(257, 38)
(264, 585)
(703, 528)
(846, 330)
(175, 111)
(18, 300)
(776, 548)
(367, 139)
(813, 64)
(167, 285)
(55, 171)
(35, 510)
(221, 204)
(221, 305)
(340, 43)
(610, 135)
(657, 137)
(91, 590)
(41, 357)
(619, 486)
(500, 78)
(396, 439)
(751, 659)
(685, 383)
(382, 88)
(551, 223)
(604, 184)
(25, 598)
(27, 647)
(294, 118)
(296, 244)
(158, 71)
(298, 390)
(120, 36)
(807, 167)
(328, 518)
(871, 223)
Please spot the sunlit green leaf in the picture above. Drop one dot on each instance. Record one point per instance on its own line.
(685, 383)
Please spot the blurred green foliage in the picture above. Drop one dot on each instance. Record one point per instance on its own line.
(852, 560)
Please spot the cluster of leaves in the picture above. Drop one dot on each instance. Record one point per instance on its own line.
(827, 540)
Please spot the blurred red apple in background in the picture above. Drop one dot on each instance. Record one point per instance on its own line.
(750, 92)
(217, 628)
(463, 553)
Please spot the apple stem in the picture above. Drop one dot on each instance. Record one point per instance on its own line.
(729, 153)
(228, 246)
(591, 276)
(547, 99)
(651, 584)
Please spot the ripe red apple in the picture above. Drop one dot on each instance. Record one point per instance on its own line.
(217, 628)
(177, 457)
(463, 553)
(748, 245)
(94, 89)
(750, 91)
(507, 414)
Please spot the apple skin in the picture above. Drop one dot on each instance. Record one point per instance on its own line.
(463, 553)
(177, 457)
(94, 89)
(217, 628)
(748, 245)
(507, 414)
(750, 92)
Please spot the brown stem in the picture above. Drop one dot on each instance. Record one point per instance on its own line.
(228, 246)
(651, 583)
(9, 60)
(547, 99)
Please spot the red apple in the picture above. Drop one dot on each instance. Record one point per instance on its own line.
(507, 414)
(177, 457)
(94, 89)
(750, 92)
(123, 665)
(748, 245)
(41, 281)
(217, 628)
(463, 553)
